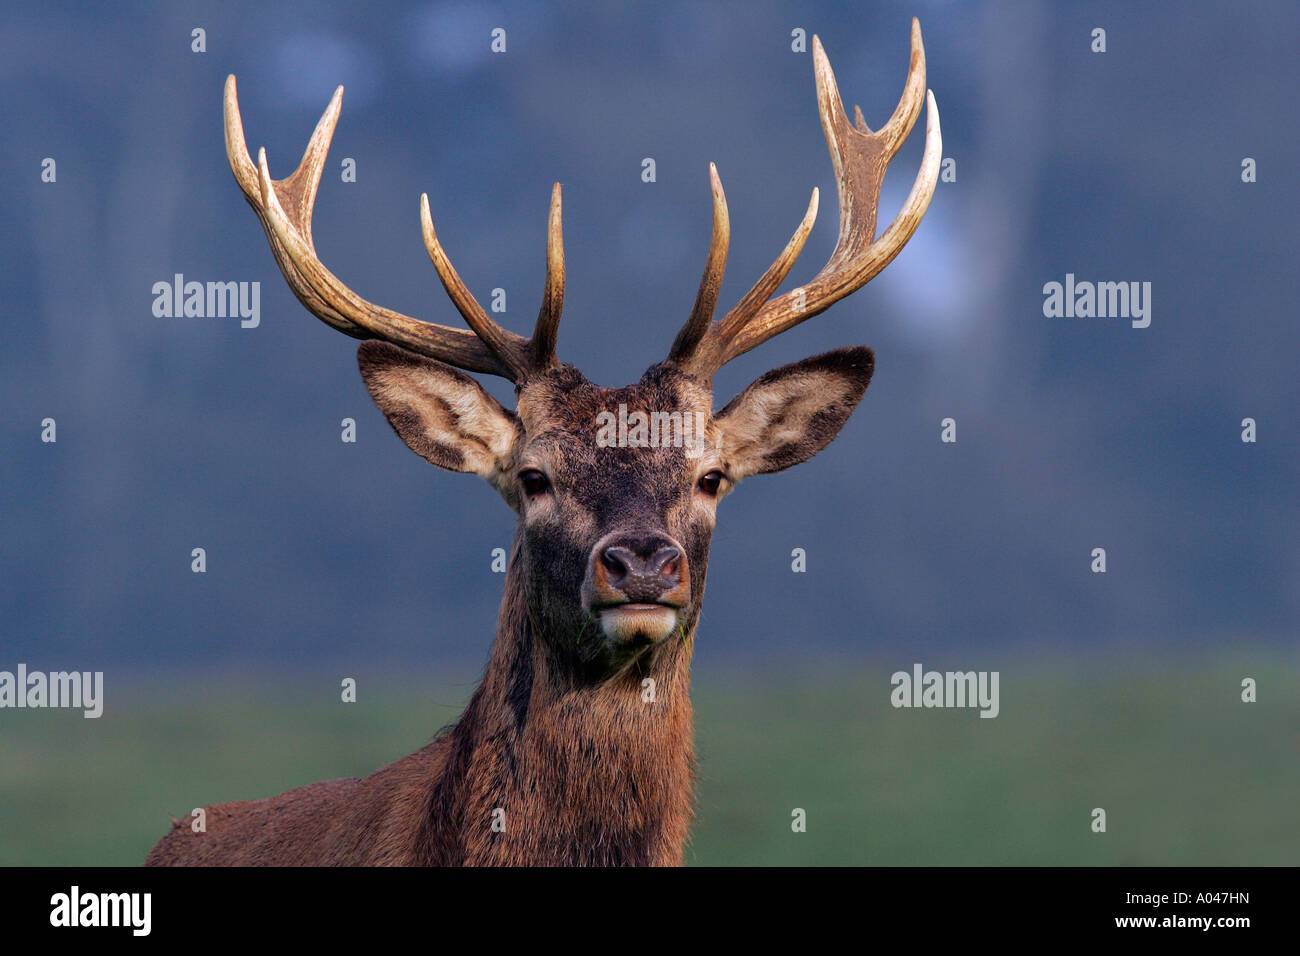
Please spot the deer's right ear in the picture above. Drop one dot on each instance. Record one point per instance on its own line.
(442, 414)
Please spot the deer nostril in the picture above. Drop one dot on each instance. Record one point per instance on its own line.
(666, 563)
(617, 562)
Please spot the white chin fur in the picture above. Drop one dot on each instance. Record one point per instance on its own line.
(625, 625)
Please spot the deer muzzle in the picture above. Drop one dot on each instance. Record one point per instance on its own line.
(637, 586)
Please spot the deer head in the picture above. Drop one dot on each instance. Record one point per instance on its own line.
(617, 489)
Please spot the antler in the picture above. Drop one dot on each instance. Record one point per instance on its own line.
(860, 158)
(285, 206)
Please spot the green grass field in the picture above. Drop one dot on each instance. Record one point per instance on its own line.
(1187, 773)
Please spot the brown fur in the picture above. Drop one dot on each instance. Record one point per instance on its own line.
(558, 736)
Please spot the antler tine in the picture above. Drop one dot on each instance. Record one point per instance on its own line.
(301, 186)
(285, 209)
(509, 347)
(711, 355)
(706, 299)
(859, 158)
(845, 274)
(548, 319)
(908, 109)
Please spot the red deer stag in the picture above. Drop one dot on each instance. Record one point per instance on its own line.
(560, 757)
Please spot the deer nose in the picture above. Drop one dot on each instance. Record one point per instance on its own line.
(625, 569)
(640, 569)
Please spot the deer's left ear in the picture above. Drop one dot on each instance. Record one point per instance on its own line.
(793, 412)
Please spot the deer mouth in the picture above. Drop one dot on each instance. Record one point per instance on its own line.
(634, 623)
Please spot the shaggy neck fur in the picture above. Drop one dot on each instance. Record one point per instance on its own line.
(546, 768)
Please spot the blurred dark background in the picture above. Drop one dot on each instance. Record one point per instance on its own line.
(326, 558)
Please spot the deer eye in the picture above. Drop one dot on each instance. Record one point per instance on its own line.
(710, 483)
(534, 482)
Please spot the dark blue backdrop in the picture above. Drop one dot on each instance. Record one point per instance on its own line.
(1072, 433)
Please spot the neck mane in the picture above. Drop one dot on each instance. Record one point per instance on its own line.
(545, 768)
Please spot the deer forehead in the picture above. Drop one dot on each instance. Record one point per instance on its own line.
(567, 406)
